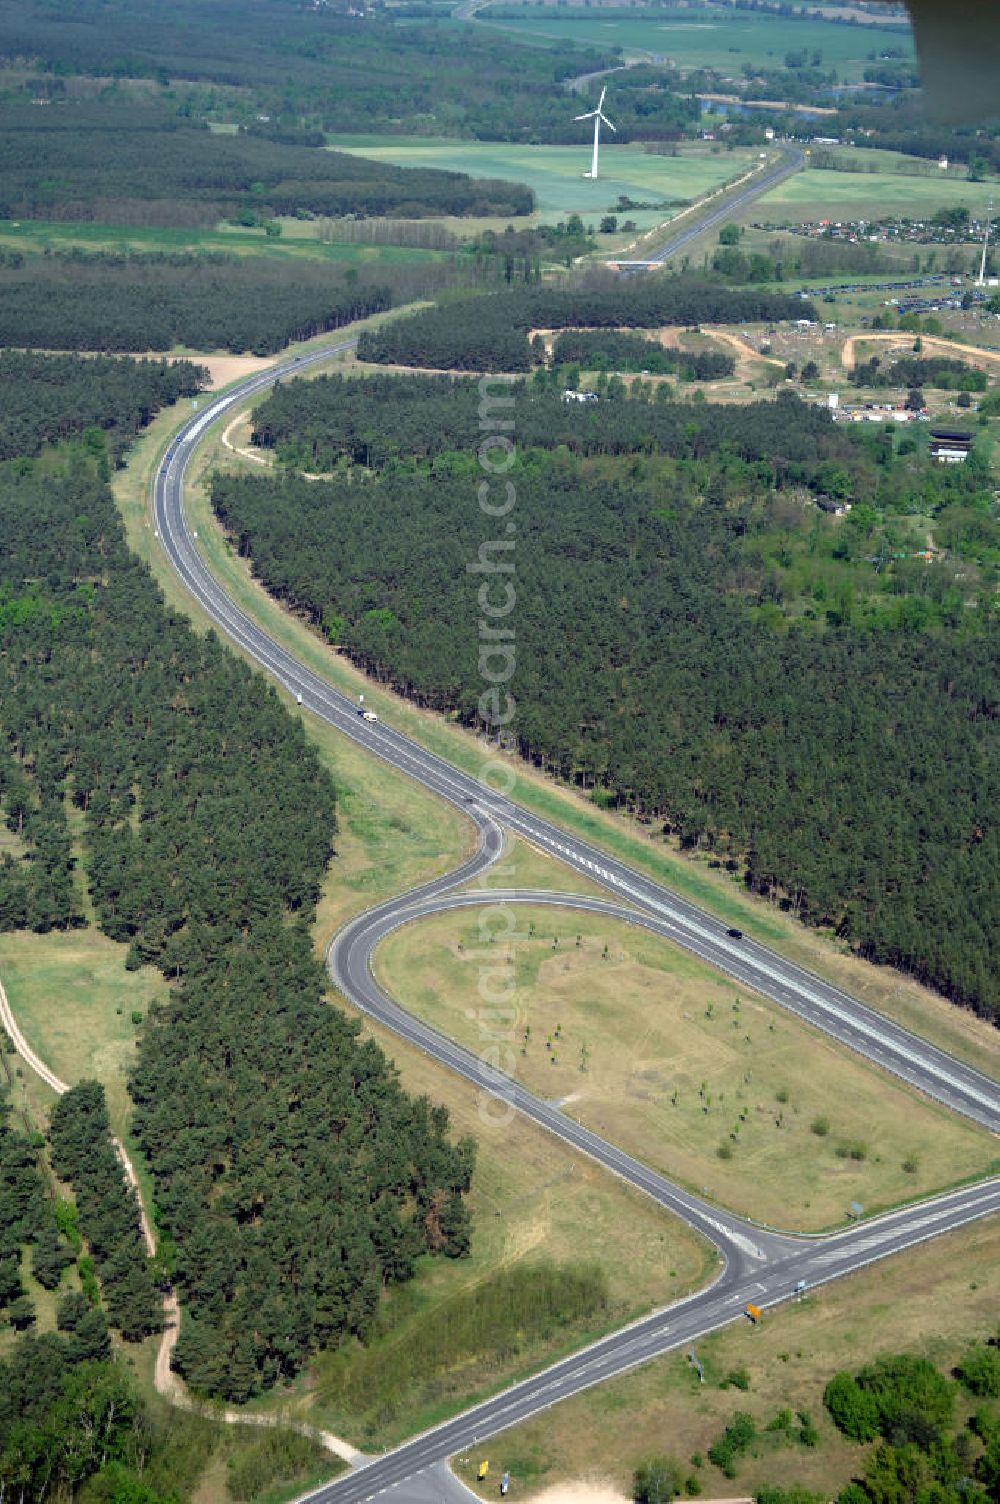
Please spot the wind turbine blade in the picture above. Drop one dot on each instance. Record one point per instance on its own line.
(607, 122)
(600, 102)
(589, 116)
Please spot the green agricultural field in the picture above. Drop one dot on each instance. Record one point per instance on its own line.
(704, 39)
(695, 1075)
(298, 238)
(883, 188)
(555, 173)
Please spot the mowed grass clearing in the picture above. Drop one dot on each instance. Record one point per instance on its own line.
(932, 1300)
(555, 173)
(682, 1067)
(704, 39)
(74, 1001)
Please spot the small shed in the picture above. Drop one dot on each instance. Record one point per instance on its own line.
(950, 446)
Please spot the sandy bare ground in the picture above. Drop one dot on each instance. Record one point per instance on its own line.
(930, 341)
(594, 1491)
(743, 350)
(223, 369)
(583, 1492)
(166, 1381)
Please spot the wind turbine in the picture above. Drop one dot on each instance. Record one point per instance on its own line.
(597, 116)
(981, 280)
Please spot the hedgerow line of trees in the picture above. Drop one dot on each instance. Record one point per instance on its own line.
(27, 1219)
(493, 335)
(846, 772)
(83, 1154)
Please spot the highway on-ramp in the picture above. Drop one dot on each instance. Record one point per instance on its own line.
(755, 1264)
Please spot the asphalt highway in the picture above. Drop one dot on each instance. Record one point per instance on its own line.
(756, 1264)
(814, 1262)
(791, 160)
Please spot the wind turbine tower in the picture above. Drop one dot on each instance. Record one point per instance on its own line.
(597, 116)
(986, 243)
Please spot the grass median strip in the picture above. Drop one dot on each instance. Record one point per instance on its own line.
(688, 1071)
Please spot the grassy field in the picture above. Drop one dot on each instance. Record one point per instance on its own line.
(653, 1049)
(74, 1000)
(525, 866)
(555, 173)
(917, 1007)
(705, 39)
(879, 191)
(299, 238)
(932, 1300)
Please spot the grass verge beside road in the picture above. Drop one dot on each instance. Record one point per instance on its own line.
(931, 1300)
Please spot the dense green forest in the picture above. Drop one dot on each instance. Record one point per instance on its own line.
(138, 165)
(208, 302)
(46, 398)
(84, 1156)
(915, 371)
(494, 334)
(294, 1179)
(323, 68)
(843, 757)
(375, 419)
(611, 350)
(64, 1421)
